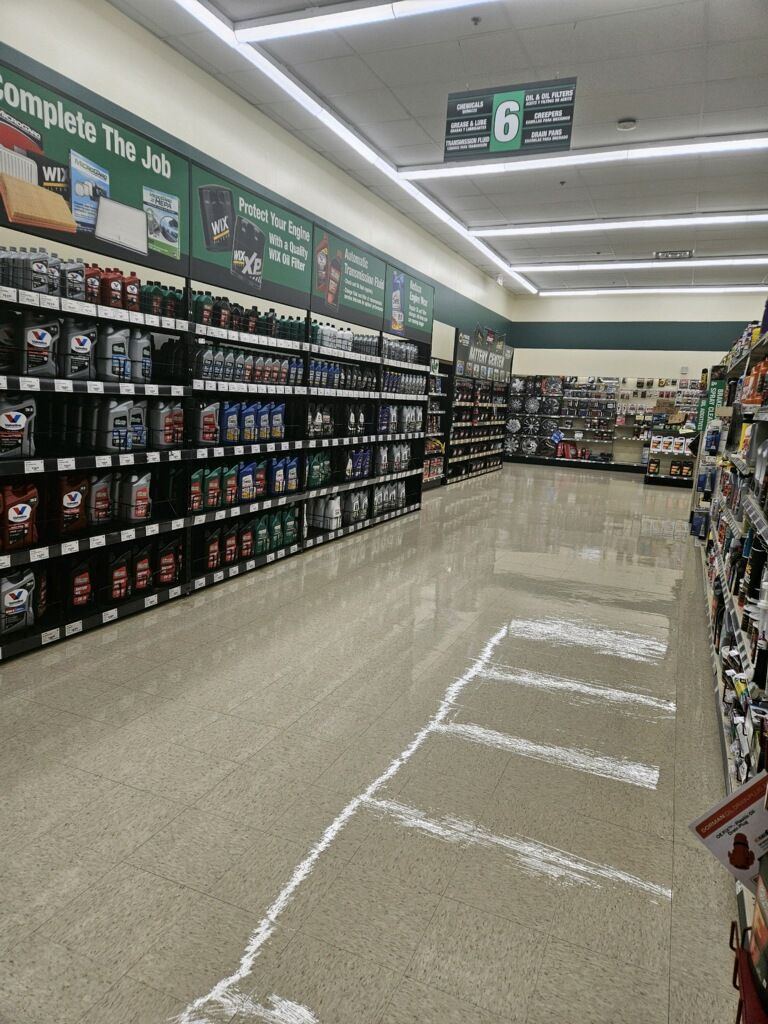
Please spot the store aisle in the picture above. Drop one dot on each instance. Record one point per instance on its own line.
(438, 772)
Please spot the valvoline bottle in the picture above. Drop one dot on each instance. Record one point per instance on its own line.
(100, 499)
(119, 574)
(131, 292)
(77, 350)
(139, 424)
(17, 426)
(17, 594)
(19, 516)
(111, 284)
(72, 512)
(135, 498)
(39, 344)
(81, 591)
(230, 545)
(140, 355)
(113, 360)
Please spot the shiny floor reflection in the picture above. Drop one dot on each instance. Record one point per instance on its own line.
(441, 771)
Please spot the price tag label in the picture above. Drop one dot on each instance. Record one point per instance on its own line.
(29, 298)
(182, 325)
(119, 314)
(233, 335)
(4, 383)
(68, 547)
(62, 386)
(73, 628)
(177, 524)
(234, 571)
(211, 385)
(127, 389)
(199, 520)
(151, 320)
(218, 452)
(135, 318)
(94, 387)
(127, 460)
(218, 576)
(65, 464)
(98, 542)
(151, 389)
(270, 447)
(281, 553)
(270, 557)
(221, 514)
(29, 383)
(202, 453)
(177, 390)
(49, 301)
(5, 561)
(109, 616)
(152, 530)
(282, 501)
(239, 449)
(312, 444)
(250, 564)
(168, 322)
(174, 592)
(49, 636)
(7, 294)
(174, 456)
(153, 457)
(151, 601)
(198, 385)
(128, 534)
(34, 466)
(200, 582)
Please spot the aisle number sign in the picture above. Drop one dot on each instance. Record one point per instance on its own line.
(513, 120)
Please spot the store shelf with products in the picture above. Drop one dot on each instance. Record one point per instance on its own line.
(144, 456)
(475, 407)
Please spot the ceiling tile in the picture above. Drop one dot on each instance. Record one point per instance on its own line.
(305, 49)
(390, 136)
(433, 62)
(737, 19)
(337, 75)
(369, 106)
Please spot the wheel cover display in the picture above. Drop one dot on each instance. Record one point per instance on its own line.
(531, 426)
(552, 386)
(530, 446)
(516, 385)
(515, 405)
(514, 426)
(532, 404)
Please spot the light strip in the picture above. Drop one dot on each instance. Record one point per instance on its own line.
(586, 159)
(723, 289)
(583, 226)
(310, 104)
(314, 20)
(715, 261)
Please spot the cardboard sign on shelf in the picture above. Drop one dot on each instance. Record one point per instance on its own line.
(735, 830)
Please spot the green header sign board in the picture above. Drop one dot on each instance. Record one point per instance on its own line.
(347, 281)
(512, 120)
(243, 242)
(409, 307)
(69, 174)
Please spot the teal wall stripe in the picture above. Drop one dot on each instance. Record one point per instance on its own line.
(632, 336)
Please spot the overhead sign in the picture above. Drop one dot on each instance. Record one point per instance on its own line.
(69, 174)
(409, 306)
(347, 282)
(674, 254)
(512, 120)
(243, 242)
(483, 355)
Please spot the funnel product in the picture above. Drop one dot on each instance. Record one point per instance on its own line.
(248, 253)
(217, 213)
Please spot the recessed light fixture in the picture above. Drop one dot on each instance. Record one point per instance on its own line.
(626, 124)
(715, 261)
(577, 227)
(723, 289)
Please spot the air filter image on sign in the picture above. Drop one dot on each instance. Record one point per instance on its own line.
(217, 211)
(248, 252)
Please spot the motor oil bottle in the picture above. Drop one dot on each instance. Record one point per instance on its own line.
(246, 539)
(19, 515)
(17, 426)
(99, 506)
(212, 488)
(212, 541)
(152, 298)
(206, 423)
(248, 367)
(135, 497)
(230, 545)
(111, 288)
(143, 573)
(139, 424)
(203, 364)
(131, 292)
(77, 350)
(39, 343)
(41, 594)
(114, 431)
(203, 307)
(140, 355)
(276, 531)
(113, 362)
(261, 535)
(92, 283)
(239, 371)
(81, 588)
(277, 476)
(10, 350)
(229, 423)
(267, 371)
(72, 279)
(219, 358)
(37, 271)
(119, 576)
(246, 481)
(71, 513)
(277, 421)
(258, 370)
(290, 526)
(54, 274)
(229, 484)
(17, 594)
(249, 429)
(228, 370)
(265, 416)
(220, 312)
(166, 424)
(173, 300)
(292, 475)
(169, 564)
(195, 493)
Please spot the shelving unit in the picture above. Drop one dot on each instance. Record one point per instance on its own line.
(435, 444)
(476, 431)
(223, 524)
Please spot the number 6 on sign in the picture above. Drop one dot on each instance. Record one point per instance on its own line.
(506, 122)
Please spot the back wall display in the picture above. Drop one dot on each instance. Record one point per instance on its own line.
(242, 241)
(70, 174)
(348, 282)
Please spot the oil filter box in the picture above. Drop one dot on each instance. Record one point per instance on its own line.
(248, 253)
(217, 214)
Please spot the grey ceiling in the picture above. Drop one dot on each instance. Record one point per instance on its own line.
(683, 68)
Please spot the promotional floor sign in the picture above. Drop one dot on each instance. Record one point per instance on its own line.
(736, 830)
(72, 175)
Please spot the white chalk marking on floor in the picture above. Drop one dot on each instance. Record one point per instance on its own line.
(602, 694)
(225, 995)
(539, 858)
(620, 769)
(618, 642)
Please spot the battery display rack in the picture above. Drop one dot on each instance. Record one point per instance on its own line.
(476, 428)
(155, 441)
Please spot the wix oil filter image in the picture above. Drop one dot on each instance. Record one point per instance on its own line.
(217, 211)
(248, 252)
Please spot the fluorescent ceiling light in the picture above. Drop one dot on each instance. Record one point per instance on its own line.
(715, 261)
(581, 226)
(711, 147)
(226, 33)
(318, 20)
(722, 289)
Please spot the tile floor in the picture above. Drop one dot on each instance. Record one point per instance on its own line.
(440, 772)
